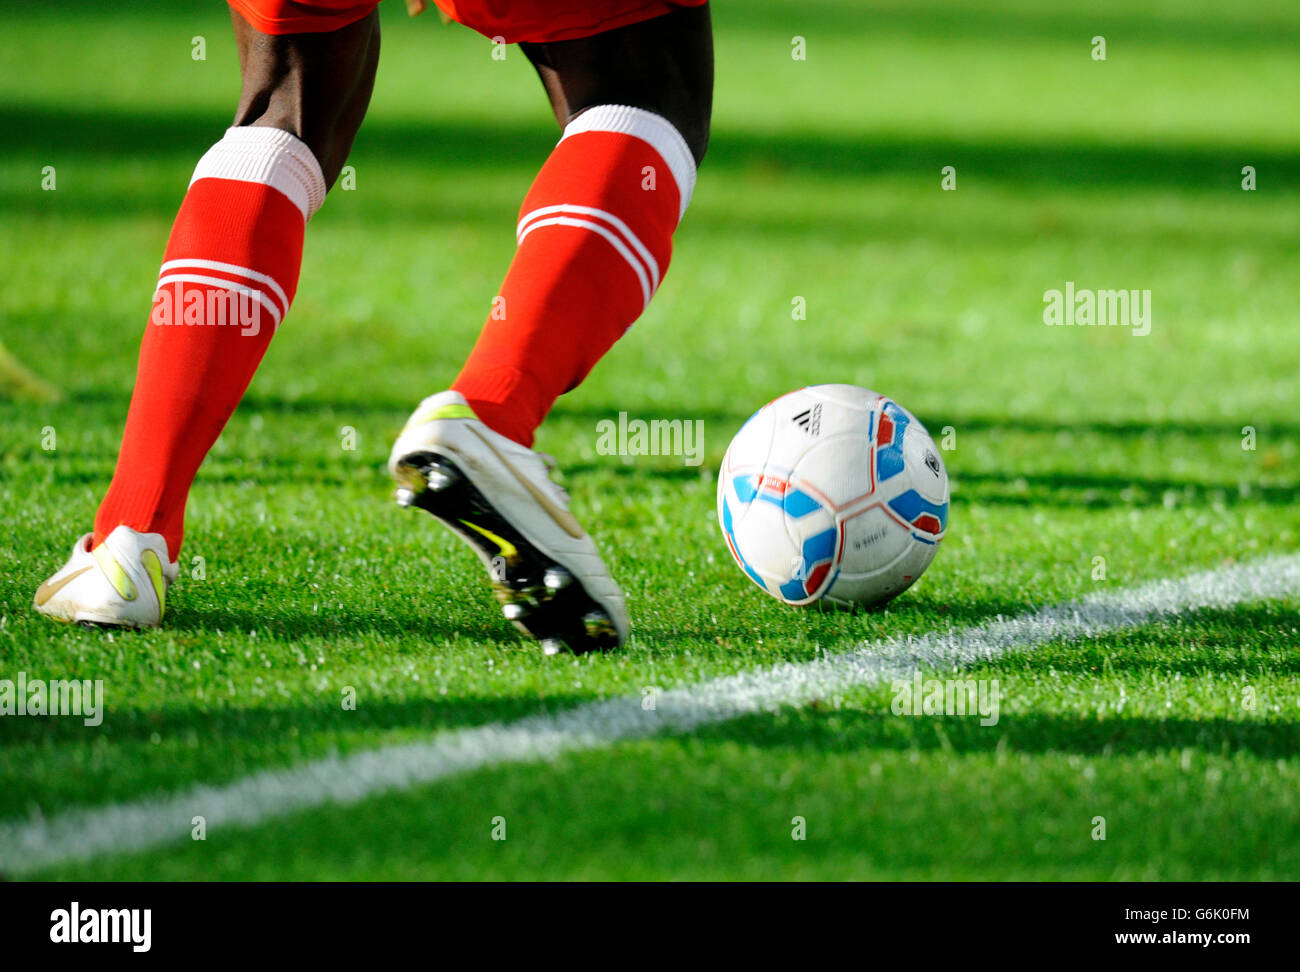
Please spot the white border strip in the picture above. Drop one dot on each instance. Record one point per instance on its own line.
(27, 845)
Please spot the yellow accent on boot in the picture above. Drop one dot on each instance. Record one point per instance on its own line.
(154, 568)
(508, 549)
(441, 412)
(115, 574)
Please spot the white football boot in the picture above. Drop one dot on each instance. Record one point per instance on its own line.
(496, 496)
(121, 582)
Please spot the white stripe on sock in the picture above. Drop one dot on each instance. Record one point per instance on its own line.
(613, 239)
(650, 263)
(251, 275)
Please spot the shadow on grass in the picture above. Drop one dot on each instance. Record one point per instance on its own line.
(1077, 490)
(1196, 28)
(841, 730)
(394, 409)
(1014, 488)
(817, 627)
(849, 731)
(731, 421)
(1065, 490)
(259, 724)
(1207, 642)
(1008, 29)
(177, 139)
(351, 621)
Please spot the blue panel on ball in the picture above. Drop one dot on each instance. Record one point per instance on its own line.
(745, 487)
(794, 590)
(889, 452)
(798, 503)
(753, 574)
(912, 504)
(727, 526)
(820, 547)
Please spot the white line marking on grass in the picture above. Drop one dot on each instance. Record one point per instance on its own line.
(27, 845)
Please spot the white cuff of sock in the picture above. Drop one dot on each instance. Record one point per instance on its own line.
(662, 135)
(269, 156)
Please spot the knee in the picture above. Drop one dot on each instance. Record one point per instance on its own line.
(315, 87)
(329, 143)
(327, 129)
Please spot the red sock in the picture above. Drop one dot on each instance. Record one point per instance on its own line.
(228, 277)
(595, 236)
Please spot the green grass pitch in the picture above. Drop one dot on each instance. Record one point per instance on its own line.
(301, 578)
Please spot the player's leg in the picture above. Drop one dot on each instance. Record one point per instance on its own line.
(595, 236)
(635, 105)
(664, 65)
(228, 277)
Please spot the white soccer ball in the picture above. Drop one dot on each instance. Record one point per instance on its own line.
(833, 493)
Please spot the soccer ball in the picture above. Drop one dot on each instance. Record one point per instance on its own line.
(833, 493)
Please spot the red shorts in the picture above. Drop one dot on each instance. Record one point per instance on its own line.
(514, 20)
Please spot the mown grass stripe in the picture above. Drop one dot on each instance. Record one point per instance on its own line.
(137, 825)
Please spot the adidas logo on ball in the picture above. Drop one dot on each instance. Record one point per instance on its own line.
(810, 419)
